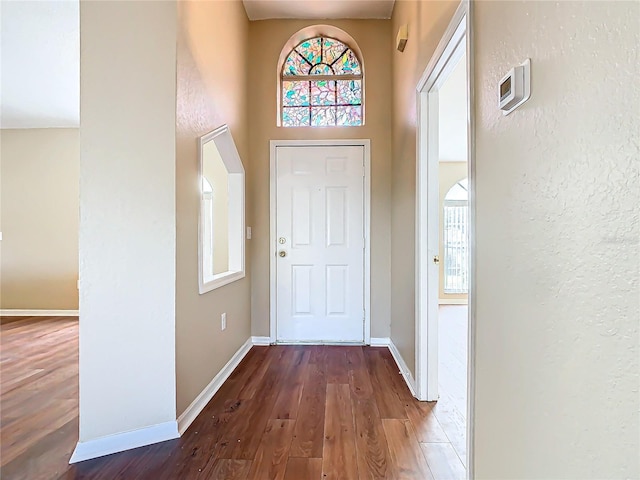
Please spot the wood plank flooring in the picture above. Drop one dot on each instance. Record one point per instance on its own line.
(39, 396)
(287, 412)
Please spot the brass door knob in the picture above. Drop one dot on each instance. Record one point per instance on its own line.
(282, 253)
(436, 259)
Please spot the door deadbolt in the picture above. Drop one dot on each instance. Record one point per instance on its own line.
(282, 240)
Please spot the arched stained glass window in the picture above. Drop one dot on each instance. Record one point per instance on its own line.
(321, 85)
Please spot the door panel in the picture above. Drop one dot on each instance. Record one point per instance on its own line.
(320, 232)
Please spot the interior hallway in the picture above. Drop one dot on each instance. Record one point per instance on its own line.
(295, 412)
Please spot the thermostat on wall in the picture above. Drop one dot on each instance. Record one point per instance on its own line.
(515, 88)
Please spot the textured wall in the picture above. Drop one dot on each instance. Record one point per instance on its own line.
(268, 38)
(427, 21)
(39, 218)
(127, 216)
(557, 243)
(211, 91)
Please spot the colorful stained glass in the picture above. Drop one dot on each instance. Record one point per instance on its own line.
(321, 69)
(323, 100)
(295, 65)
(347, 64)
(311, 50)
(295, 116)
(349, 116)
(332, 50)
(323, 92)
(349, 92)
(295, 94)
(323, 116)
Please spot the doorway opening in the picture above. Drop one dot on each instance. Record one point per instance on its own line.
(444, 299)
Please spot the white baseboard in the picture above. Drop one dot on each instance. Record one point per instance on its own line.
(402, 366)
(261, 340)
(124, 441)
(404, 370)
(13, 312)
(189, 415)
(453, 301)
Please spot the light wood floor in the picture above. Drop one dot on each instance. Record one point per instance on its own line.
(451, 408)
(39, 396)
(290, 413)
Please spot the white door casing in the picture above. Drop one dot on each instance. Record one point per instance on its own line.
(451, 48)
(456, 41)
(319, 236)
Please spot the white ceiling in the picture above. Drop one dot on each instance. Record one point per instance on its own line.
(40, 62)
(318, 9)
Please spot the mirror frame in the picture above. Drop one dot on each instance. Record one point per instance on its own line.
(231, 159)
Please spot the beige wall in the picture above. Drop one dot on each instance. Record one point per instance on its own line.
(449, 173)
(39, 218)
(427, 22)
(267, 40)
(127, 244)
(558, 235)
(211, 91)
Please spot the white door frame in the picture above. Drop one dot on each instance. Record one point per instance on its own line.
(366, 143)
(457, 39)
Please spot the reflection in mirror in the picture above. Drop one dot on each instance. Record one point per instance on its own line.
(215, 203)
(221, 239)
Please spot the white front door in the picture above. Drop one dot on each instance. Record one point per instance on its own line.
(320, 250)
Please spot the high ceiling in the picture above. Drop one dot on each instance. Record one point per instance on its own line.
(40, 62)
(318, 9)
(40, 52)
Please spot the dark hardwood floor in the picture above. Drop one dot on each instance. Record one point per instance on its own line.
(287, 412)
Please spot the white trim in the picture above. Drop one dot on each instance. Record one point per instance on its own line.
(192, 411)
(261, 340)
(226, 146)
(402, 365)
(380, 341)
(450, 48)
(471, 341)
(124, 441)
(11, 312)
(404, 369)
(366, 144)
(432, 75)
(453, 301)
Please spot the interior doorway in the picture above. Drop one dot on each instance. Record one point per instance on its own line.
(445, 287)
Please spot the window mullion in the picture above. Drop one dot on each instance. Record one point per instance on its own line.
(293, 78)
(310, 102)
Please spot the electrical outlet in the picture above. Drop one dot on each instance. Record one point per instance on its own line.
(223, 321)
